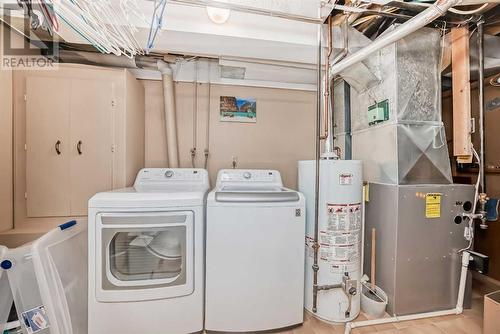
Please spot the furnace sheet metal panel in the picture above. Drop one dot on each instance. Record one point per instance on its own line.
(418, 264)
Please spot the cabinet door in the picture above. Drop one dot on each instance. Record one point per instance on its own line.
(91, 141)
(47, 146)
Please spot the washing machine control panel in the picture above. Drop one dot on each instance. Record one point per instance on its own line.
(249, 175)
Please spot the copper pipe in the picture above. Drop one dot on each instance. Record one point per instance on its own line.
(315, 266)
(326, 121)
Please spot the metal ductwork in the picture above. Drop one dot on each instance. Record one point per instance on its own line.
(421, 20)
(397, 127)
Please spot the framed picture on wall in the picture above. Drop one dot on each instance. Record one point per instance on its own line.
(238, 109)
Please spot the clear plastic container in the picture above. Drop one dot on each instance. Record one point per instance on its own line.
(5, 293)
(48, 280)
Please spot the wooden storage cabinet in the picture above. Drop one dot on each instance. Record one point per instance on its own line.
(68, 144)
(47, 129)
(83, 132)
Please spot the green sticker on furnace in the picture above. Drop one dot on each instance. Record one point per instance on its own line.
(379, 112)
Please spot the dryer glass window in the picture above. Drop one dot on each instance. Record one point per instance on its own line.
(148, 255)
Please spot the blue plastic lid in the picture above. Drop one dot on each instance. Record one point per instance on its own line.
(6, 264)
(67, 225)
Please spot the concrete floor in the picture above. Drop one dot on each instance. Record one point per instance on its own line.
(470, 322)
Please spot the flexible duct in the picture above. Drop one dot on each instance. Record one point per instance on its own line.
(170, 114)
(99, 59)
(424, 18)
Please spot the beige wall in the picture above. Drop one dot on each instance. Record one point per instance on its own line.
(6, 196)
(283, 134)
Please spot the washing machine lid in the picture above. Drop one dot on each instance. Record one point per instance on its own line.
(255, 194)
(131, 198)
(252, 186)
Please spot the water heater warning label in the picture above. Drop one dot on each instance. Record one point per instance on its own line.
(339, 240)
(345, 179)
(346, 253)
(344, 217)
(339, 237)
(340, 267)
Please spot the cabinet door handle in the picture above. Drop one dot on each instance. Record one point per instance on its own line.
(79, 147)
(57, 146)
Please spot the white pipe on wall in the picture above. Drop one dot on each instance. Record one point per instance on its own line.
(170, 114)
(457, 310)
(436, 10)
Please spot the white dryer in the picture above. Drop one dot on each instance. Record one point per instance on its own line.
(255, 253)
(146, 255)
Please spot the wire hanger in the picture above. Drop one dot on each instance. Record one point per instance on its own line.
(156, 23)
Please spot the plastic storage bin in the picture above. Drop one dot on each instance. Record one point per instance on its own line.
(48, 280)
(5, 293)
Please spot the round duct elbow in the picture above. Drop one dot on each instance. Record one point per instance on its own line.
(164, 67)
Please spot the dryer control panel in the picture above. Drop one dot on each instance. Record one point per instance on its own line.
(155, 178)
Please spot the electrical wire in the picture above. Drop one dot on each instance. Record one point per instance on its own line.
(474, 207)
(207, 144)
(495, 81)
(156, 22)
(454, 10)
(468, 12)
(476, 194)
(195, 114)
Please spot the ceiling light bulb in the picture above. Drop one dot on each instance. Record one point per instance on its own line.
(218, 15)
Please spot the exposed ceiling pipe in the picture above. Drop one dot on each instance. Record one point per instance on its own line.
(110, 60)
(362, 13)
(170, 113)
(438, 9)
(478, 10)
(326, 93)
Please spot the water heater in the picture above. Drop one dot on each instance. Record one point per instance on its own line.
(340, 220)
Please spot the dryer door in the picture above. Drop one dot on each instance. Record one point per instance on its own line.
(144, 256)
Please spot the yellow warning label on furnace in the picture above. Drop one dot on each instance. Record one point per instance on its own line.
(433, 205)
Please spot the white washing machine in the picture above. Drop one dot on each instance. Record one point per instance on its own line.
(146, 255)
(255, 253)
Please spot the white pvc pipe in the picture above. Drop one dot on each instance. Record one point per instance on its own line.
(422, 19)
(170, 114)
(457, 310)
(351, 325)
(463, 281)
(363, 233)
